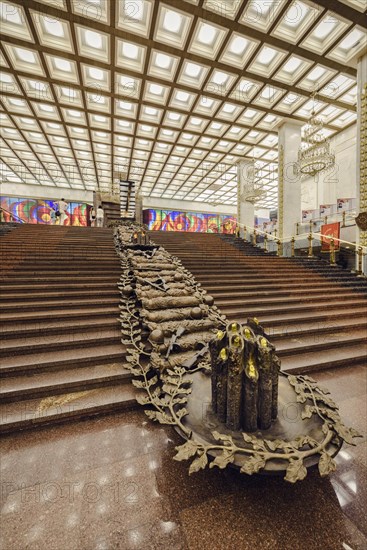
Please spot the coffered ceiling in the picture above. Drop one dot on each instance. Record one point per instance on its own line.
(169, 93)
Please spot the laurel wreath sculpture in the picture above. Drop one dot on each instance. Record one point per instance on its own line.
(165, 391)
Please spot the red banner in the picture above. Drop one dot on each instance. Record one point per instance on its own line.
(330, 231)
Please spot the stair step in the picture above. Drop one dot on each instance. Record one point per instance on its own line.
(56, 305)
(317, 341)
(68, 380)
(60, 342)
(308, 362)
(38, 412)
(47, 327)
(68, 358)
(319, 327)
(77, 313)
(305, 299)
(50, 294)
(270, 320)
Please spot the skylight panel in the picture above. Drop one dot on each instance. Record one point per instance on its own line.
(350, 46)
(93, 44)
(13, 21)
(62, 69)
(261, 14)
(172, 26)
(207, 39)
(135, 16)
(162, 65)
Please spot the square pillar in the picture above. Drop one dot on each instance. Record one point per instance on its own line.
(289, 178)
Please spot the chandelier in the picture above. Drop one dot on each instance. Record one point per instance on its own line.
(252, 192)
(314, 155)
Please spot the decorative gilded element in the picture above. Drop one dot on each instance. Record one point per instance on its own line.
(281, 193)
(362, 218)
(165, 384)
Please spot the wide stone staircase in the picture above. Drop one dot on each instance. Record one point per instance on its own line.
(315, 322)
(61, 352)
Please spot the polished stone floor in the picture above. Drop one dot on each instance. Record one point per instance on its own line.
(110, 483)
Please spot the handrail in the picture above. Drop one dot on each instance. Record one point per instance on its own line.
(12, 215)
(288, 239)
(328, 216)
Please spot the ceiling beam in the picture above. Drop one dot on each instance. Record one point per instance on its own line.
(344, 10)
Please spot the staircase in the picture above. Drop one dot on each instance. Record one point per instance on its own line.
(61, 352)
(111, 211)
(314, 321)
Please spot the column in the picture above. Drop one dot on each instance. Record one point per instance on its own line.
(361, 176)
(245, 187)
(289, 178)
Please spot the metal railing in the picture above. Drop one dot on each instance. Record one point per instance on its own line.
(287, 246)
(347, 219)
(13, 217)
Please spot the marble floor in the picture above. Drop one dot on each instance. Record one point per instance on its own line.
(110, 483)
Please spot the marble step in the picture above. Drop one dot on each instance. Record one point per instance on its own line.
(81, 313)
(275, 293)
(56, 305)
(59, 342)
(67, 380)
(325, 359)
(49, 294)
(35, 329)
(317, 341)
(34, 413)
(277, 332)
(306, 299)
(283, 309)
(63, 359)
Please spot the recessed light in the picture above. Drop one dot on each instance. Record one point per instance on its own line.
(238, 45)
(196, 121)
(219, 78)
(126, 106)
(174, 116)
(133, 10)
(182, 96)
(193, 70)
(163, 61)
(266, 55)
(292, 65)
(207, 34)
(316, 73)
(98, 74)
(75, 114)
(150, 111)
(18, 102)
(229, 108)
(351, 40)
(172, 21)
(47, 108)
(62, 64)
(206, 102)
(130, 50)
(54, 27)
(155, 89)
(25, 55)
(93, 39)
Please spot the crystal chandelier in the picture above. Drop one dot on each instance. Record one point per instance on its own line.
(314, 155)
(252, 191)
